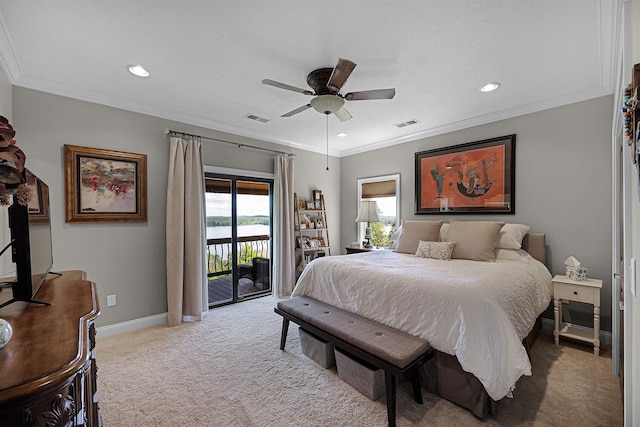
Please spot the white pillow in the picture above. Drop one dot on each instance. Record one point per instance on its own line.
(435, 250)
(511, 236)
(512, 254)
(444, 232)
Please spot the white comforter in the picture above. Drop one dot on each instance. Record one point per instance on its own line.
(477, 311)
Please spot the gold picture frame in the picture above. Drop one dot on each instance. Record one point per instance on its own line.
(104, 185)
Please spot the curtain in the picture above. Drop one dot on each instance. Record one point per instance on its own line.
(187, 294)
(285, 257)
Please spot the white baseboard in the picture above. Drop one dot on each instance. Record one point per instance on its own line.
(131, 325)
(605, 337)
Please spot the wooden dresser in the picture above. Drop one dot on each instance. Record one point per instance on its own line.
(49, 368)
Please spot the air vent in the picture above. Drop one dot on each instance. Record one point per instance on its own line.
(407, 123)
(256, 118)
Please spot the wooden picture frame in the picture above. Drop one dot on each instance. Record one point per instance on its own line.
(302, 205)
(317, 242)
(317, 195)
(310, 206)
(473, 178)
(104, 185)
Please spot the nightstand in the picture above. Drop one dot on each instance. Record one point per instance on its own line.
(358, 249)
(586, 291)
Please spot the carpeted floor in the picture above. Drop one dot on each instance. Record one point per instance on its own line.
(228, 371)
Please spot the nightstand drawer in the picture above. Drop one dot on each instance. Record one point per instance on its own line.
(574, 292)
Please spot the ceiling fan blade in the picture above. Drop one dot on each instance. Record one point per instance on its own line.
(296, 111)
(286, 86)
(340, 74)
(342, 114)
(370, 94)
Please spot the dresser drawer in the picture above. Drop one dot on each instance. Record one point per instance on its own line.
(574, 292)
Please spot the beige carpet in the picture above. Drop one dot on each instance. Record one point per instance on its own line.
(228, 371)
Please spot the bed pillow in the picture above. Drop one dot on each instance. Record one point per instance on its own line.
(475, 240)
(511, 236)
(512, 254)
(435, 250)
(414, 231)
(444, 231)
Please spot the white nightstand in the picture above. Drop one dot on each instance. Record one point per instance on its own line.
(586, 291)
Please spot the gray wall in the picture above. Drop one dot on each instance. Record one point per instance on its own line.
(128, 260)
(563, 185)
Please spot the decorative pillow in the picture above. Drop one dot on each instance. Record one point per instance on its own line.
(475, 240)
(414, 231)
(511, 236)
(435, 250)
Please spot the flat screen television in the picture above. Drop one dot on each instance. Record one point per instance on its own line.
(31, 245)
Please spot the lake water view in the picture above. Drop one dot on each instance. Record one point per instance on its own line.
(243, 230)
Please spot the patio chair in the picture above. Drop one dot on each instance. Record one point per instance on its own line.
(261, 272)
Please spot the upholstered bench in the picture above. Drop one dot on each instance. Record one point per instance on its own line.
(396, 352)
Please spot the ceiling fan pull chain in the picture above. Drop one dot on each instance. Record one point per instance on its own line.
(327, 114)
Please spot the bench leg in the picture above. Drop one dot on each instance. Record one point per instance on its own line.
(285, 331)
(390, 382)
(417, 388)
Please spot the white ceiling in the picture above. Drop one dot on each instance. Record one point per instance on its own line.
(207, 60)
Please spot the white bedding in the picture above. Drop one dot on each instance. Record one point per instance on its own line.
(477, 311)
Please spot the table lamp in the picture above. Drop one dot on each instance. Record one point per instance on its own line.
(368, 213)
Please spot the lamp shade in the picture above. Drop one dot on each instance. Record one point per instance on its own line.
(368, 212)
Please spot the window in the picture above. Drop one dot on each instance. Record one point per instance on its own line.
(385, 190)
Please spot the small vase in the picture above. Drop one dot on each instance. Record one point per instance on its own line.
(5, 332)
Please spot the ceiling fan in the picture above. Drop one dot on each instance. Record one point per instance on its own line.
(326, 84)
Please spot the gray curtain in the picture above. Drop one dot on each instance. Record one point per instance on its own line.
(187, 294)
(285, 257)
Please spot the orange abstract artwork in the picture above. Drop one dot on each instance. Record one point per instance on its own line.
(465, 180)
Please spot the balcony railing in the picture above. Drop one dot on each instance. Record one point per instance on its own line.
(219, 252)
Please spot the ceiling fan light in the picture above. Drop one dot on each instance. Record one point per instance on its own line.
(327, 103)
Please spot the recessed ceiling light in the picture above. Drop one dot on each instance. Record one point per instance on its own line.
(490, 87)
(138, 70)
(341, 134)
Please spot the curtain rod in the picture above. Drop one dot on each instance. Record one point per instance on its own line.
(237, 144)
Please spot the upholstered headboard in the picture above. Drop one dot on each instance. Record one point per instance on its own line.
(534, 244)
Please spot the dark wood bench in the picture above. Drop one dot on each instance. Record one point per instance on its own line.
(396, 352)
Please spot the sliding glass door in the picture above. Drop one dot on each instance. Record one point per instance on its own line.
(239, 214)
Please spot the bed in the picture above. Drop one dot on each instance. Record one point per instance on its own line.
(476, 306)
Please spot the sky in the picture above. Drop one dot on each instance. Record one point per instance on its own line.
(220, 204)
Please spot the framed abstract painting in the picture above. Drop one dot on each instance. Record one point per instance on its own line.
(473, 178)
(104, 185)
